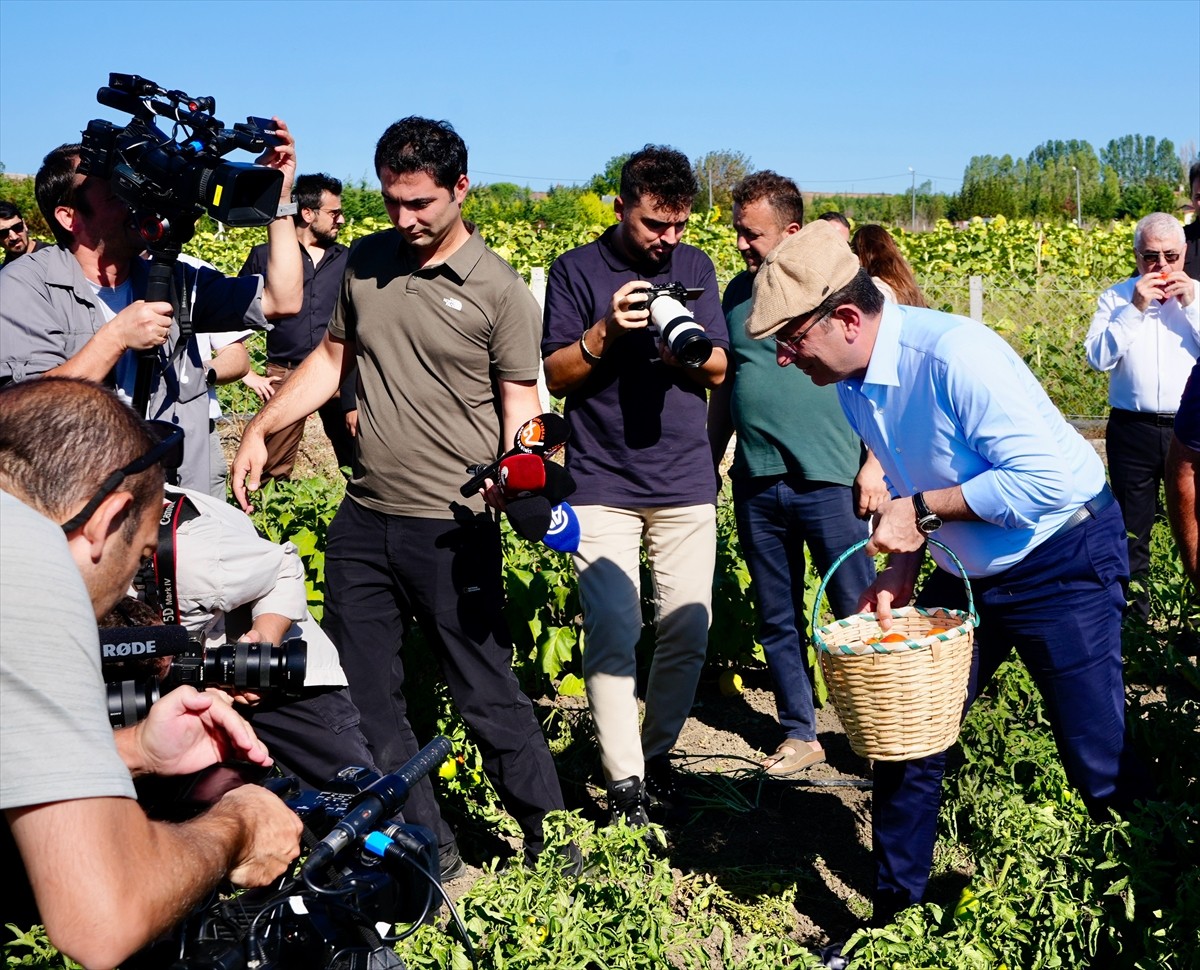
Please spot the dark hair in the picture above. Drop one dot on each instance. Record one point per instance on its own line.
(1194, 173)
(860, 291)
(307, 190)
(837, 217)
(663, 174)
(54, 185)
(52, 431)
(879, 255)
(8, 210)
(420, 145)
(780, 193)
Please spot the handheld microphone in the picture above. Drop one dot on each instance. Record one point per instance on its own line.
(529, 517)
(376, 803)
(563, 534)
(522, 475)
(560, 484)
(544, 435)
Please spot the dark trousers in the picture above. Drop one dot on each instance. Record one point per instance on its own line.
(776, 519)
(312, 737)
(383, 570)
(1061, 609)
(1137, 444)
(283, 445)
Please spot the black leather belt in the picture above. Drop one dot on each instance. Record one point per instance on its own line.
(285, 364)
(1159, 419)
(1088, 510)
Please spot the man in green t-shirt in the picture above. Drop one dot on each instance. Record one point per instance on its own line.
(798, 476)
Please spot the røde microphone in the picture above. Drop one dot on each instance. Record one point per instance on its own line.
(522, 475)
(376, 804)
(563, 534)
(130, 642)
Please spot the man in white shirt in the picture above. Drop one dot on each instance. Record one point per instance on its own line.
(1146, 334)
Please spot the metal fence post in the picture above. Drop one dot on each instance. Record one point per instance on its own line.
(976, 289)
(537, 286)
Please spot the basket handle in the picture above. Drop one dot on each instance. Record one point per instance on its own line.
(816, 637)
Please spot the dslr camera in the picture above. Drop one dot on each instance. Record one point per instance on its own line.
(140, 664)
(675, 325)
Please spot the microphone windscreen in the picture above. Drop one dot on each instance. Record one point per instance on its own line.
(522, 475)
(563, 534)
(529, 517)
(543, 435)
(560, 484)
(131, 642)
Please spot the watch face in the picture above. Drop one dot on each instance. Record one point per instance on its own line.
(929, 524)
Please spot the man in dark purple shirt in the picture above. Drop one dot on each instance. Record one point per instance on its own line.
(318, 219)
(639, 455)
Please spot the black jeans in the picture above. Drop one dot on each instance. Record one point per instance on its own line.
(382, 571)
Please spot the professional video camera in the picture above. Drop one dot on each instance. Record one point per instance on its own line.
(140, 664)
(675, 325)
(369, 868)
(168, 181)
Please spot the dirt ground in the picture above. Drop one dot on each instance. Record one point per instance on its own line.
(752, 833)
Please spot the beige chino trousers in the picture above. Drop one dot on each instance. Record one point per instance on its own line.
(681, 546)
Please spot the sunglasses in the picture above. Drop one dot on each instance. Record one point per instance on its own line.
(17, 227)
(791, 345)
(1152, 256)
(167, 451)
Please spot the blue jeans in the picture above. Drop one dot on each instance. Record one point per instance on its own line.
(776, 519)
(1060, 608)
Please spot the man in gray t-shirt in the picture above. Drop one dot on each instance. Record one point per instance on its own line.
(72, 533)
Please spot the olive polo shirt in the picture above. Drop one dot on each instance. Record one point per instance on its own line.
(431, 344)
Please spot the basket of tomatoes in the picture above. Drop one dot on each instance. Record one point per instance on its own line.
(899, 693)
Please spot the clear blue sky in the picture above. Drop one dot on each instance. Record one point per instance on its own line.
(840, 96)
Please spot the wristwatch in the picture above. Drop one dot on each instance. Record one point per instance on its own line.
(210, 377)
(928, 522)
(287, 209)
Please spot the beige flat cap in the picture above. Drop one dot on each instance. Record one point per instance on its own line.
(797, 276)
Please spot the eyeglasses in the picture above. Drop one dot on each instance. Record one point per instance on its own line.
(1151, 256)
(791, 345)
(336, 213)
(168, 452)
(17, 227)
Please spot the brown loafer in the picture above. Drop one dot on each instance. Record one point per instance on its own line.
(792, 756)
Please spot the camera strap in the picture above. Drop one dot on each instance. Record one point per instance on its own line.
(155, 581)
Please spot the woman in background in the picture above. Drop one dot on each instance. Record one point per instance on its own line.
(880, 256)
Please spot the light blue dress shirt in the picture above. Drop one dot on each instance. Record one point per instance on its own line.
(946, 402)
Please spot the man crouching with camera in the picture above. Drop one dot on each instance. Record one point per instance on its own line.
(81, 487)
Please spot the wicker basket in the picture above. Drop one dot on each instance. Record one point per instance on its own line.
(898, 701)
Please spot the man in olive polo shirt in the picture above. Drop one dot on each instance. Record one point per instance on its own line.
(445, 336)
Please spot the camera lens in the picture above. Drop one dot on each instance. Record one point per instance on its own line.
(129, 700)
(250, 665)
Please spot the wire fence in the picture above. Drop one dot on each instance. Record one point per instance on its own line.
(1044, 321)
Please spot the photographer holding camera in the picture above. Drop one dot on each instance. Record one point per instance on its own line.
(78, 309)
(105, 879)
(639, 455)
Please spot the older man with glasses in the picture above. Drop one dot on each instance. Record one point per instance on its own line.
(1146, 335)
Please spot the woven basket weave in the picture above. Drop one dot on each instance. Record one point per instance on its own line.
(898, 701)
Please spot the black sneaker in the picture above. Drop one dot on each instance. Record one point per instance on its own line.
(627, 800)
(451, 862)
(667, 801)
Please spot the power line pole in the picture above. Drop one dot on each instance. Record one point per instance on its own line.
(913, 223)
(1078, 206)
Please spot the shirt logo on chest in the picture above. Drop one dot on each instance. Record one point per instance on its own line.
(452, 303)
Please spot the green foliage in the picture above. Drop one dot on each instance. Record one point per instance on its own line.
(608, 182)
(717, 173)
(300, 512)
(33, 949)
(19, 191)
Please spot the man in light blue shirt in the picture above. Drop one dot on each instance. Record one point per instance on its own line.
(975, 454)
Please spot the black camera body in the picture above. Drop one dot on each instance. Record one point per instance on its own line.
(140, 664)
(169, 183)
(676, 325)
